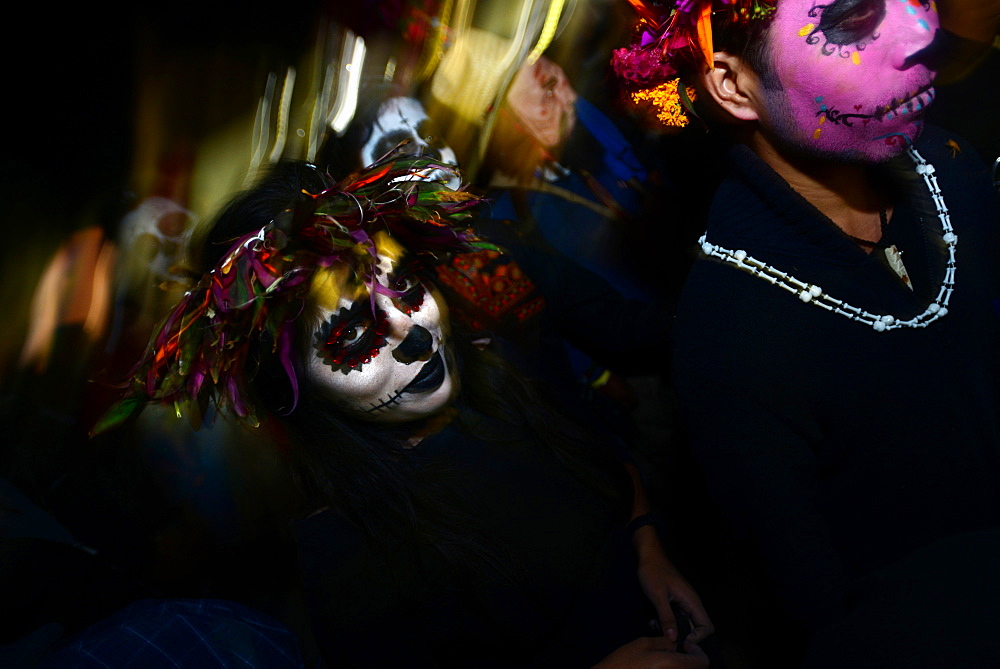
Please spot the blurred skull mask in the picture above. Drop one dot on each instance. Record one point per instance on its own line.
(400, 119)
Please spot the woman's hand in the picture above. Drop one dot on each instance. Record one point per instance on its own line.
(663, 584)
(653, 653)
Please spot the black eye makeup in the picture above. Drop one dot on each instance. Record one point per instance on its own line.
(352, 336)
(407, 282)
(846, 23)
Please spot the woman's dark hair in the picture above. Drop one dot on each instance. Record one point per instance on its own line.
(280, 188)
(370, 475)
(367, 472)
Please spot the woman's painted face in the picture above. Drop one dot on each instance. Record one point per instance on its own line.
(400, 119)
(849, 88)
(388, 365)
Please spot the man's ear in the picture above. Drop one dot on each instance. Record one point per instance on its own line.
(733, 86)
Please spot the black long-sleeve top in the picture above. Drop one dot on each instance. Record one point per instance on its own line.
(834, 448)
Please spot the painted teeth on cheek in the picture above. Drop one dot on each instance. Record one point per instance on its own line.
(913, 103)
(927, 97)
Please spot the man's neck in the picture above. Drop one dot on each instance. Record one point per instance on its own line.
(846, 193)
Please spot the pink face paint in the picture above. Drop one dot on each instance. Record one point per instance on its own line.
(849, 90)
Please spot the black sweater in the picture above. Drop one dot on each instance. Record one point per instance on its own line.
(834, 448)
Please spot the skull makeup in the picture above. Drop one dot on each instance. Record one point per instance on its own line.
(384, 359)
(851, 85)
(401, 119)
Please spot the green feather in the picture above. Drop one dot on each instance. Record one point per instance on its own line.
(119, 412)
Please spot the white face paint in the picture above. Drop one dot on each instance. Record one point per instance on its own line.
(401, 119)
(392, 366)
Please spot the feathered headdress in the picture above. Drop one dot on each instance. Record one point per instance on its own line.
(673, 35)
(198, 354)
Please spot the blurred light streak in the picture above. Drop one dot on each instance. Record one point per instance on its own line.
(74, 289)
(100, 302)
(281, 124)
(261, 133)
(435, 46)
(317, 126)
(262, 122)
(347, 93)
(548, 30)
(475, 72)
(44, 314)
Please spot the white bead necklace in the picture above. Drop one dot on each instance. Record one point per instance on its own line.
(813, 294)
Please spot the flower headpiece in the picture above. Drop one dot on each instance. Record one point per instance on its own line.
(199, 352)
(672, 36)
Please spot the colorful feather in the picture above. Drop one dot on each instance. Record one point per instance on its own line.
(671, 35)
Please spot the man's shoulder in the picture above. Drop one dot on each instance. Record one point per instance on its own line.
(948, 150)
(964, 178)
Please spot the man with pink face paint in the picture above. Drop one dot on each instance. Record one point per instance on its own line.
(834, 343)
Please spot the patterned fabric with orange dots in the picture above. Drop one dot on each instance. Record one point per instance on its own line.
(487, 290)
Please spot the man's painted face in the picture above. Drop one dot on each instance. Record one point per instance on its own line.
(542, 99)
(400, 119)
(849, 87)
(388, 365)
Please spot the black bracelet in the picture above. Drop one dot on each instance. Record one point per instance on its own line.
(641, 521)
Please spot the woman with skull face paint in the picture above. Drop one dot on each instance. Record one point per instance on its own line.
(540, 304)
(452, 516)
(848, 248)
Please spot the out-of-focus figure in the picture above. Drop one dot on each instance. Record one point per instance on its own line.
(386, 120)
(568, 191)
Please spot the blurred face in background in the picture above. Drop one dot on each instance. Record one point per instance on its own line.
(403, 119)
(542, 101)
